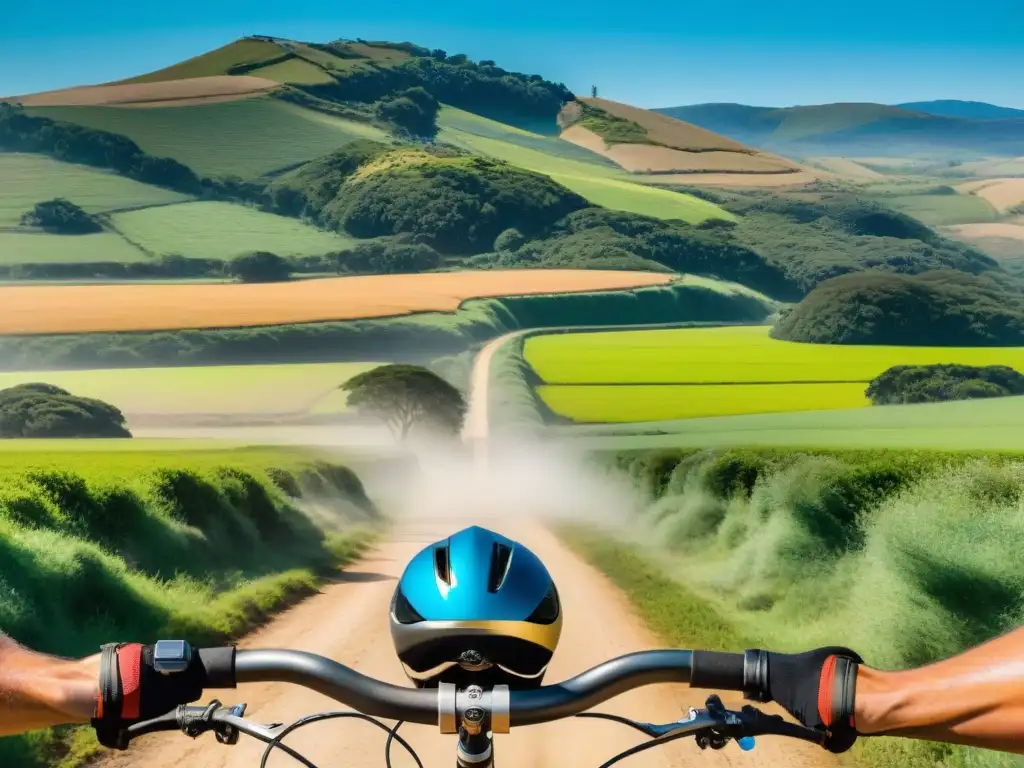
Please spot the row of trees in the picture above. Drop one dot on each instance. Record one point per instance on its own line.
(943, 382)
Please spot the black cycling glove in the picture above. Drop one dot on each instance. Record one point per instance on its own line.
(131, 690)
(818, 687)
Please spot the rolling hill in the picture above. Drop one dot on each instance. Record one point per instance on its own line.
(977, 110)
(644, 142)
(864, 130)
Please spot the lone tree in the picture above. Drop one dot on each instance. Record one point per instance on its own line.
(404, 396)
(61, 217)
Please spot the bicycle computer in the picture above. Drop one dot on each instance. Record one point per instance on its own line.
(171, 656)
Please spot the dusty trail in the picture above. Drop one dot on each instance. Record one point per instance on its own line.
(348, 622)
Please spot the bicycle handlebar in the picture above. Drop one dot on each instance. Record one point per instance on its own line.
(746, 672)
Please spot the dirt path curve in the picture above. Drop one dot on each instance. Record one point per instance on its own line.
(348, 622)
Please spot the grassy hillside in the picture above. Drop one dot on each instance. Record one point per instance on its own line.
(30, 179)
(204, 545)
(906, 558)
(241, 138)
(855, 129)
(213, 230)
(217, 62)
(585, 173)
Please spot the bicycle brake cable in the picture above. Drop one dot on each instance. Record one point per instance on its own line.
(275, 743)
(657, 742)
(387, 745)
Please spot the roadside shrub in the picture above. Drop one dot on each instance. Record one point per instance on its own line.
(943, 382)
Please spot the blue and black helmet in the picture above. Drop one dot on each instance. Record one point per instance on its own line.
(476, 608)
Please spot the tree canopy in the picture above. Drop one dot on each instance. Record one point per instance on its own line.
(941, 308)
(61, 217)
(45, 411)
(407, 396)
(260, 267)
(942, 382)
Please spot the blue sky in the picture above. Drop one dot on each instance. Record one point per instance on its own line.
(779, 52)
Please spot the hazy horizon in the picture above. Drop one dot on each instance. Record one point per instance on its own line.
(778, 55)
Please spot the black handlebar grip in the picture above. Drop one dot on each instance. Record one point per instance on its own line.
(219, 665)
(722, 671)
(746, 672)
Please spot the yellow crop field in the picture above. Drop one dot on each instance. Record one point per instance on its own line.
(43, 309)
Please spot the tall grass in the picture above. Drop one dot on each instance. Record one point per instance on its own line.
(907, 558)
(100, 549)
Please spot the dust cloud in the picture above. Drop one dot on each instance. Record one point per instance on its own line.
(495, 484)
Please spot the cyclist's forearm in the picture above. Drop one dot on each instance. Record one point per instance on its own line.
(976, 698)
(38, 691)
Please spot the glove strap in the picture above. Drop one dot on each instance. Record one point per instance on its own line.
(107, 721)
(836, 692)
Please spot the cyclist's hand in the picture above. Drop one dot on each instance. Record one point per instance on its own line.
(132, 690)
(817, 687)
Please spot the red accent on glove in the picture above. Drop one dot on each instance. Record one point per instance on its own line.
(828, 675)
(129, 659)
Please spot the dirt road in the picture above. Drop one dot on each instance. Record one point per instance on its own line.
(348, 622)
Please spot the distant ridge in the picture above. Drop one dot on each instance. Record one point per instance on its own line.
(976, 110)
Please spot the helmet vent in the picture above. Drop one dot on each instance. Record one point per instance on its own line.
(501, 558)
(548, 610)
(442, 565)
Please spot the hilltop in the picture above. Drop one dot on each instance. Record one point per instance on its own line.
(856, 129)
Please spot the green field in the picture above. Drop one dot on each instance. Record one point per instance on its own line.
(215, 230)
(636, 376)
(38, 248)
(968, 425)
(216, 62)
(744, 354)
(638, 403)
(294, 71)
(944, 210)
(461, 128)
(598, 182)
(31, 179)
(215, 389)
(244, 138)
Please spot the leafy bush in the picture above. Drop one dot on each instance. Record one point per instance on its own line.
(454, 204)
(414, 111)
(260, 267)
(509, 240)
(612, 128)
(941, 308)
(387, 257)
(61, 217)
(939, 383)
(46, 411)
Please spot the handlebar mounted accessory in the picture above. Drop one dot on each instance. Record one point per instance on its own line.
(138, 682)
